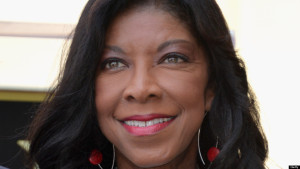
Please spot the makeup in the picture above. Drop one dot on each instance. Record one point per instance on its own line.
(151, 95)
(143, 125)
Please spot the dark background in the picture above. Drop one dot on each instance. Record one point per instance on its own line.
(14, 120)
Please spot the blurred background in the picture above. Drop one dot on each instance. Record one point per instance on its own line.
(33, 34)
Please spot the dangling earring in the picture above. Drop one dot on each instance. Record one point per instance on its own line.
(199, 149)
(212, 152)
(96, 158)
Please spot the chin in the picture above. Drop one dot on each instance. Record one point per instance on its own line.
(148, 162)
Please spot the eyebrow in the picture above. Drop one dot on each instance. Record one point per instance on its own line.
(160, 47)
(115, 49)
(171, 42)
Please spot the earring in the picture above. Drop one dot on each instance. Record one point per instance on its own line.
(212, 152)
(96, 158)
(199, 149)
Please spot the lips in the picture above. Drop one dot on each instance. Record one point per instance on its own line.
(143, 125)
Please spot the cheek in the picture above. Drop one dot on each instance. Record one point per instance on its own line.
(107, 97)
(186, 88)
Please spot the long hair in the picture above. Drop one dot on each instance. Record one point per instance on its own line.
(65, 130)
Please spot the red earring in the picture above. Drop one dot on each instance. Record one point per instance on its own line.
(212, 153)
(96, 158)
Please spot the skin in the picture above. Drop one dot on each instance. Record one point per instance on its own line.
(158, 68)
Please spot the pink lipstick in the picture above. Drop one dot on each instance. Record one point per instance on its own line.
(142, 125)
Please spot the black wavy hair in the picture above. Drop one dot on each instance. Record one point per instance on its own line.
(65, 130)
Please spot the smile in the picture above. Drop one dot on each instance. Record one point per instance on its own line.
(146, 125)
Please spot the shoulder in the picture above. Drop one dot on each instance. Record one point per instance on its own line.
(1, 167)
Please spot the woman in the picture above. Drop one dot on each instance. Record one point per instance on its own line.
(150, 84)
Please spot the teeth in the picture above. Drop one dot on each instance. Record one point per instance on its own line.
(146, 123)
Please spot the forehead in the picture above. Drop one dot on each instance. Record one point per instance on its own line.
(149, 23)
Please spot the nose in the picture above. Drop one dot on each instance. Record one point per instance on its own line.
(142, 87)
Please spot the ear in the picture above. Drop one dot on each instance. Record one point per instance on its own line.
(209, 97)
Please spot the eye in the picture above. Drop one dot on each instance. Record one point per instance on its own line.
(113, 64)
(173, 58)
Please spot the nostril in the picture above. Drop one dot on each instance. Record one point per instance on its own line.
(140, 97)
(130, 98)
(152, 95)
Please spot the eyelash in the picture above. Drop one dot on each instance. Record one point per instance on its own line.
(107, 64)
(176, 56)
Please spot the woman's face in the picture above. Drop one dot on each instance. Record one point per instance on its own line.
(151, 90)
